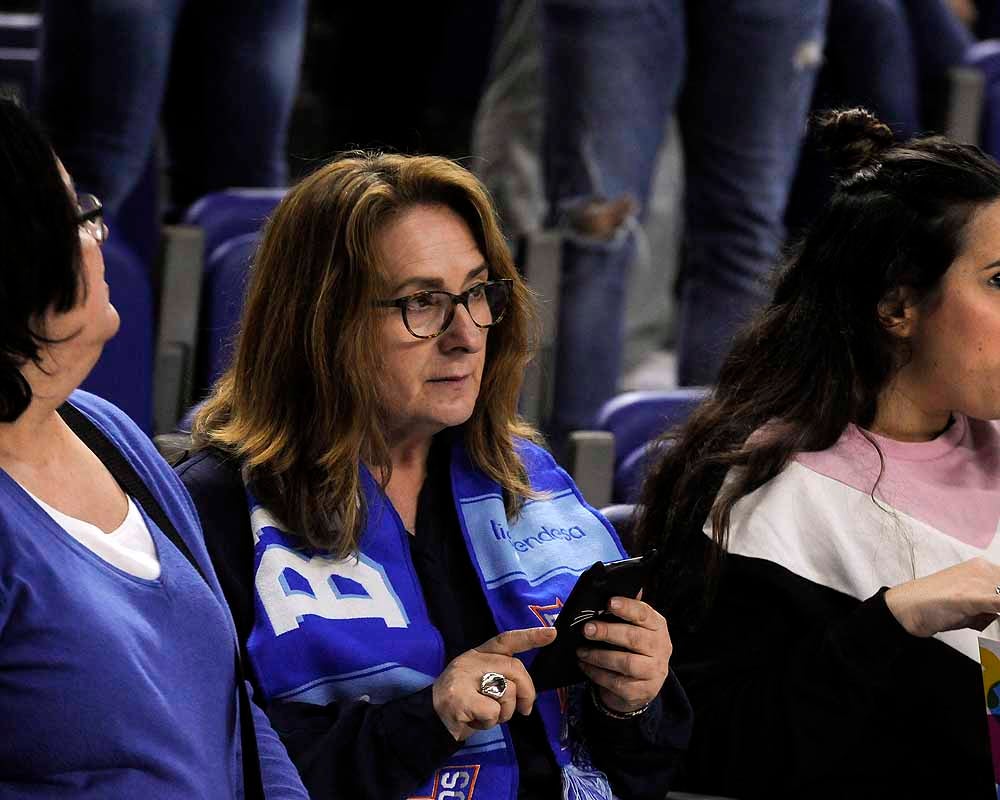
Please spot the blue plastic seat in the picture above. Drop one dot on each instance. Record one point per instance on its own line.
(234, 212)
(636, 419)
(124, 372)
(630, 472)
(226, 273)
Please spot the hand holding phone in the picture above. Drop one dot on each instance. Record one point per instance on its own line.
(557, 665)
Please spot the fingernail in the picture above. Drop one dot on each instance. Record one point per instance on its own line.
(590, 629)
(583, 652)
(616, 604)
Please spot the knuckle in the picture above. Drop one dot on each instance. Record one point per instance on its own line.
(631, 665)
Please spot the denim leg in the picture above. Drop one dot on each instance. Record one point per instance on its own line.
(612, 71)
(752, 65)
(231, 92)
(872, 62)
(103, 70)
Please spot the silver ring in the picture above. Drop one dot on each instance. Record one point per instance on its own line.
(998, 588)
(493, 684)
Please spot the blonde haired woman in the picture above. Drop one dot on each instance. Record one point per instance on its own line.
(377, 511)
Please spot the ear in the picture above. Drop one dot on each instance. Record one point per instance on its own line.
(898, 311)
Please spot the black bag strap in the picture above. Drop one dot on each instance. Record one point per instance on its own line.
(126, 476)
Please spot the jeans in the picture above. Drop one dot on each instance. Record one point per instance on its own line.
(614, 72)
(222, 73)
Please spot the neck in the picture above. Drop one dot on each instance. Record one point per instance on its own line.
(409, 454)
(901, 415)
(29, 439)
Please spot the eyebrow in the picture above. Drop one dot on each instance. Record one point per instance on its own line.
(991, 265)
(421, 283)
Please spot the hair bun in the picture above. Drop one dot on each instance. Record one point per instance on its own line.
(852, 139)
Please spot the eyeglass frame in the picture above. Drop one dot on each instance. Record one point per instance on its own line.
(456, 300)
(92, 220)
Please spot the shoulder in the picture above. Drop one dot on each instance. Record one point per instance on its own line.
(209, 468)
(215, 484)
(213, 480)
(134, 444)
(112, 420)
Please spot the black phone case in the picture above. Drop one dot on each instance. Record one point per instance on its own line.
(556, 664)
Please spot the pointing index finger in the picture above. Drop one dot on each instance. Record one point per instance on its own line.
(512, 642)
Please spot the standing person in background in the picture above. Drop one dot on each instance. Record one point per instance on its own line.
(118, 674)
(829, 517)
(222, 74)
(740, 76)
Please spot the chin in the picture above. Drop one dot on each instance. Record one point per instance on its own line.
(453, 417)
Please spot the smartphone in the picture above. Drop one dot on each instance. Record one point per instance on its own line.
(556, 664)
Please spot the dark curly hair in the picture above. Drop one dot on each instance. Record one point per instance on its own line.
(39, 250)
(818, 356)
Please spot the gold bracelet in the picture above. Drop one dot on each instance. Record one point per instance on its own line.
(596, 698)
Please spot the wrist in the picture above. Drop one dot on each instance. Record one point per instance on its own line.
(605, 708)
(896, 600)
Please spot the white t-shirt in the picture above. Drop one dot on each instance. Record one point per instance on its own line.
(129, 547)
(935, 504)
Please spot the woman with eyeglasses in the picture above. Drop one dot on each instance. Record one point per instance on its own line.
(118, 657)
(394, 542)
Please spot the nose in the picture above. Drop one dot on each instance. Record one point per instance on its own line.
(463, 333)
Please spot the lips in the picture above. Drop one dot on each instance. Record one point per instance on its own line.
(448, 379)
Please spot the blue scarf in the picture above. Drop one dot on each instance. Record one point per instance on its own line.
(336, 630)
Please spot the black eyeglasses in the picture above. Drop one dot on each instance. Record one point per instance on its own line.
(427, 315)
(90, 217)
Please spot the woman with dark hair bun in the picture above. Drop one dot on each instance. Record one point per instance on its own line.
(119, 671)
(828, 517)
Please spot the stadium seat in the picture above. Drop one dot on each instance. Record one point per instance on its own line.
(639, 417)
(124, 373)
(608, 463)
(631, 470)
(222, 300)
(230, 213)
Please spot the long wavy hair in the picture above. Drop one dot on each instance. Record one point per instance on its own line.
(820, 354)
(299, 407)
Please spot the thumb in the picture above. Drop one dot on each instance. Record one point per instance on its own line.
(509, 643)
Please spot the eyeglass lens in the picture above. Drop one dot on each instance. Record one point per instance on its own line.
(427, 313)
(91, 216)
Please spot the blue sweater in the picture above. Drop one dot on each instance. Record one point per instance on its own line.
(113, 686)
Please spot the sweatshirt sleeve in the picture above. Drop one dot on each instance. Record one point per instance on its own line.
(796, 687)
(279, 776)
(641, 755)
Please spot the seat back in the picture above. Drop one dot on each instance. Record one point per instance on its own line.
(230, 213)
(631, 471)
(226, 273)
(638, 417)
(124, 373)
